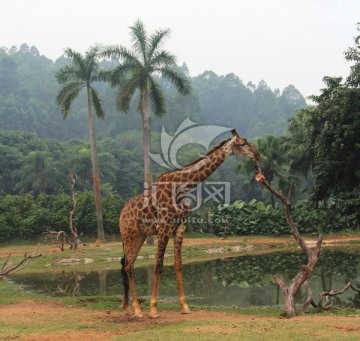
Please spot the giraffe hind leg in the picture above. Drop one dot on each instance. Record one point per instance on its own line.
(131, 249)
(126, 285)
(161, 247)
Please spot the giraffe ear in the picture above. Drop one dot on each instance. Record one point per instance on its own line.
(234, 133)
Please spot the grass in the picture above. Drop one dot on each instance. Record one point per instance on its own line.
(250, 323)
(106, 256)
(245, 331)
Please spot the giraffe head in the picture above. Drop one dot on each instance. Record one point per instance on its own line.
(241, 147)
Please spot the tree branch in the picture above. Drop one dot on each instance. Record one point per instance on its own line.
(327, 295)
(7, 270)
(61, 237)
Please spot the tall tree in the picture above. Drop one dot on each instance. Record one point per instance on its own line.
(39, 174)
(82, 73)
(138, 71)
(336, 140)
(299, 148)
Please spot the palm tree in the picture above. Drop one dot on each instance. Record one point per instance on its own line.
(138, 70)
(80, 74)
(40, 174)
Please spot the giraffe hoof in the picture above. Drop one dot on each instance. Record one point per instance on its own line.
(154, 315)
(138, 315)
(186, 311)
(128, 312)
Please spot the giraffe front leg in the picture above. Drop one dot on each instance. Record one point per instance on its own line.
(162, 243)
(178, 240)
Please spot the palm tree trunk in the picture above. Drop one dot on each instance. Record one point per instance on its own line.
(146, 120)
(146, 116)
(96, 174)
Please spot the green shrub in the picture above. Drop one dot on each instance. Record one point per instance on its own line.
(27, 216)
(258, 218)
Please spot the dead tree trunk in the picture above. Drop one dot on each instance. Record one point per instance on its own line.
(72, 227)
(61, 236)
(290, 290)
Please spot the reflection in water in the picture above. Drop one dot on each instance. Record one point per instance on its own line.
(238, 281)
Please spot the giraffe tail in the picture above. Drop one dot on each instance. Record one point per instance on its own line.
(125, 280)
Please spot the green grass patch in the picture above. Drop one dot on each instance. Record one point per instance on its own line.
(11, 293)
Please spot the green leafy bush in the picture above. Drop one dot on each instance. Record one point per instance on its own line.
(26, 216)
(259, 218)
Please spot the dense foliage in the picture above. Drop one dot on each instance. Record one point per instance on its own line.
(335, 139)
(259, 218)
(27, 216)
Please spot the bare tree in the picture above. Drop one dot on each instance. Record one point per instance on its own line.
(9, 269)
(306, 271)
(61, 236)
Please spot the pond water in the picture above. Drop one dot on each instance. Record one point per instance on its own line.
(237, 281)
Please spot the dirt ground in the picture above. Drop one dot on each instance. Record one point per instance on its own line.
(44, 314)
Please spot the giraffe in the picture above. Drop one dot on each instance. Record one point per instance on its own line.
(159, 212)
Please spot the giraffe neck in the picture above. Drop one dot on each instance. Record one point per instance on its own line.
(202, 168)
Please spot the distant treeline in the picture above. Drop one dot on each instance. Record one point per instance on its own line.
(28, 90)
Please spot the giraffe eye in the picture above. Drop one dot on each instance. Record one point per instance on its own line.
(242, 144)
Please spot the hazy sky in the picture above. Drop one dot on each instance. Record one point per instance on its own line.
(281, 41)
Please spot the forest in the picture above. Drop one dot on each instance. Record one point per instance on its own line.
(28, 90)
(315, 147)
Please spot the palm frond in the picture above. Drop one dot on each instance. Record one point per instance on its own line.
(79, 63)
(157, 99)
(157, 39)
(139, 39)
(103, 75)
(130, 58)
(119, 74)
(163, 59)
(95, 100)
(65, 74)
(110, 51)
(91, 64)
(126, 92)
(75, 57)
(67, 94)
(181, 82)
